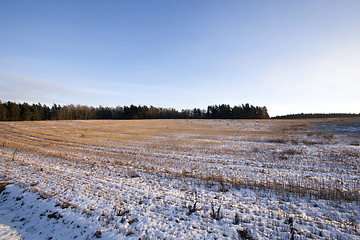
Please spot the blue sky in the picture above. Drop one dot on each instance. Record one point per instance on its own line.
(291, 56)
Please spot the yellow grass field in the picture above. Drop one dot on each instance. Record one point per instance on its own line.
(253, 153)
(91, 164)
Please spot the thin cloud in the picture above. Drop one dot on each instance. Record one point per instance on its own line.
(20, 88)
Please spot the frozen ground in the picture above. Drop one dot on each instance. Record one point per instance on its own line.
(31, 217)
(180, 180)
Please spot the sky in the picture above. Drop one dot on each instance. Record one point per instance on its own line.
(290, 56)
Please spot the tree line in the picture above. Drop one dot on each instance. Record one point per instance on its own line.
(317, 115)
(11, 111)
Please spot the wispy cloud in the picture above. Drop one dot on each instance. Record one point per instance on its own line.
(20, 88)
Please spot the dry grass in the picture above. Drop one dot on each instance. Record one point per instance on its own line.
(286, 156)
(3, 186)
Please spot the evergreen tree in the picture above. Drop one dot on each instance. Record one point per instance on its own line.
(3, 112)
(13, 111)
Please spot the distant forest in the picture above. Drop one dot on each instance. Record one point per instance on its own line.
(11, 111)
(317, 115)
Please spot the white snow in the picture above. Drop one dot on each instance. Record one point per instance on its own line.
(6, 233)
(145, 189)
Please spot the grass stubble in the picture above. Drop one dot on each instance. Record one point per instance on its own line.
(284, 157)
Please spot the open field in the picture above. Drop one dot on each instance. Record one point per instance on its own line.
(187, 179)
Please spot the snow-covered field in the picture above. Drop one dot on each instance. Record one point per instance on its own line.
(180, 179)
